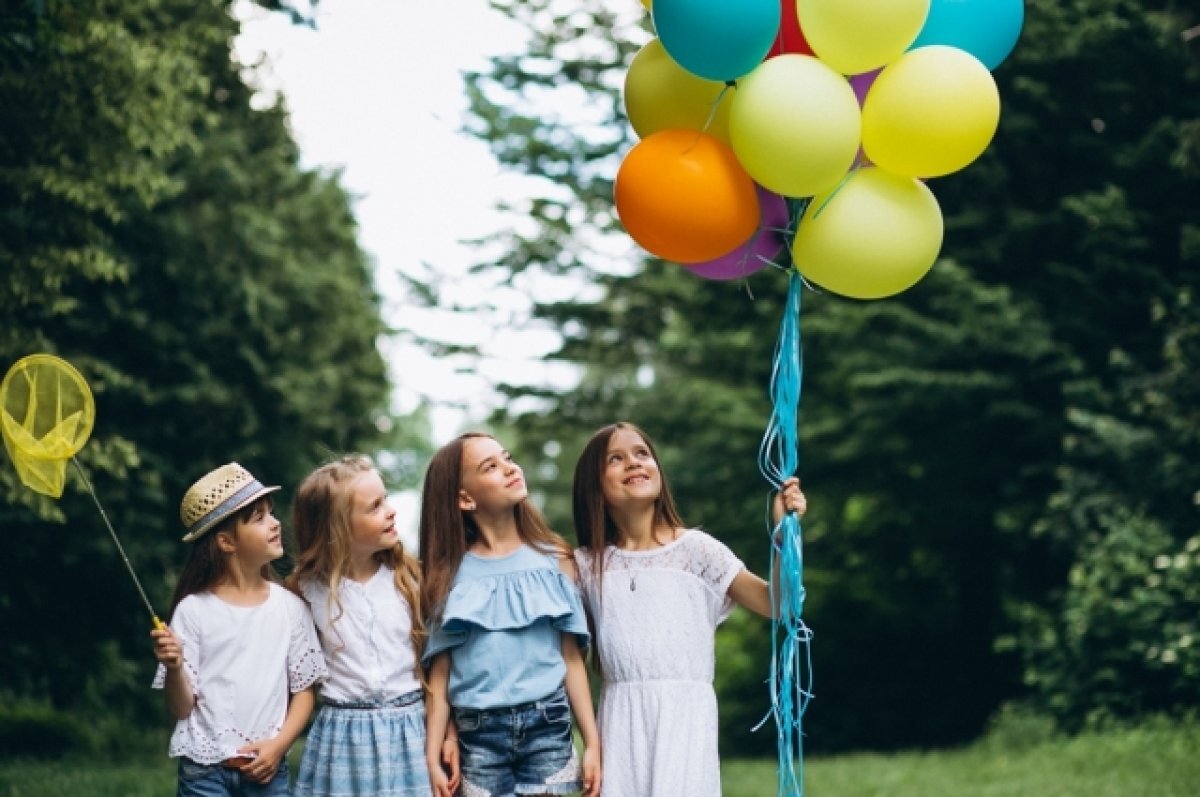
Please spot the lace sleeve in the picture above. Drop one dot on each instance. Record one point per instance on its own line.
(305, 661)
(712, 562)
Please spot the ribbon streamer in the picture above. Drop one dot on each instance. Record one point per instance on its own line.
(791, 661)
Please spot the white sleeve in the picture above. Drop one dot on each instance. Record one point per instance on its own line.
(305, 661)
(186, 628)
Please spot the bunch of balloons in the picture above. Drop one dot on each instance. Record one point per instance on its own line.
(807, 128)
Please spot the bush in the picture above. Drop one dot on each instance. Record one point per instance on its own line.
(1123, 643)
(31, 730)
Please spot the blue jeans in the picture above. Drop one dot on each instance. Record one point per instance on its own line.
(214, 780)
(523, 749)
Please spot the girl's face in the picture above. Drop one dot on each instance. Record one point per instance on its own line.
(372, 518)
(491, 481)
(630, 473)
(258, 539)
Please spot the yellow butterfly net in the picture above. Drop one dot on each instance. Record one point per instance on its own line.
(47, 412)
(46, 415)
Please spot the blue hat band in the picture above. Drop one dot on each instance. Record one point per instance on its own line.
(227, 507)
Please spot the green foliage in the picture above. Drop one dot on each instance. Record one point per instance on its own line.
(159, 233)
(32, 730)
(965, 445)
(1123, 641)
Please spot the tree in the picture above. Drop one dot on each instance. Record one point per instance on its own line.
(933, 424)
(160, 234)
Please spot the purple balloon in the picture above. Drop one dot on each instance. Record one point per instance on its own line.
(765, 245)
(862, 84)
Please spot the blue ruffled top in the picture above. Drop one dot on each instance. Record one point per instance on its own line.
(502, 624)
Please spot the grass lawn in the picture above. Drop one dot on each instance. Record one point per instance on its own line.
(1147, 762)
(1154, 761)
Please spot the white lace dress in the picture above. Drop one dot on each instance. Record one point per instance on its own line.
(655, 616)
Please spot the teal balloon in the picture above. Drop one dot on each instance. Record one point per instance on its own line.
(717, 39)
(987, 29)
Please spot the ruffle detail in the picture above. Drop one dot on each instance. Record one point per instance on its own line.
(506, 602)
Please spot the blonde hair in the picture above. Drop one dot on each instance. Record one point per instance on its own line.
(321, 521)
(446, 532)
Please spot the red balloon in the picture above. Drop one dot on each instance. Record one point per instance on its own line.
(790, 38)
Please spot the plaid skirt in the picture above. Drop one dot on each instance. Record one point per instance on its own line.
(360, 749)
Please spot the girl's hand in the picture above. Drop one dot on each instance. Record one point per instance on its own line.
(790, 499)
(266, 756)
(167, 648)
(442, 787)
(450, 761)
(591, 773)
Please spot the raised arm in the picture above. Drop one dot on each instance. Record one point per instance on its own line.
(749, 590)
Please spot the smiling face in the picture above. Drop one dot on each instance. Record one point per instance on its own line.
(257, 536)
(491, 481)
(372, 518)
(631, 474)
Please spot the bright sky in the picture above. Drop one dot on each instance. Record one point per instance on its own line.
(376, 90)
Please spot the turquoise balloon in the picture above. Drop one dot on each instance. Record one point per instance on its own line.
(987, 29)
(717, 39)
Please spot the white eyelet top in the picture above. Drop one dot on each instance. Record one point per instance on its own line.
(367, 640)
(242, 663)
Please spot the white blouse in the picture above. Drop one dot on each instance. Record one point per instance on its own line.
(242, 663)
(367, 639)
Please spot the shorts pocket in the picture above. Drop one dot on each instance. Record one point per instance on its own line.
(191, 771)
(557, 710)
(468, 720)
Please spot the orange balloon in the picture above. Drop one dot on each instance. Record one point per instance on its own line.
(683, 196)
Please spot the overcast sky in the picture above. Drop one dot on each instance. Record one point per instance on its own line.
(376, 90)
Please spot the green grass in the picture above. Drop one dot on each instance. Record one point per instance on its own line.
(1157, 760)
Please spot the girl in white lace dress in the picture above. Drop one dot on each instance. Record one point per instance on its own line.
(656, 591)
(240, 659)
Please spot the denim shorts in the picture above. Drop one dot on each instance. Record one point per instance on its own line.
(525, 749)
(215, 780)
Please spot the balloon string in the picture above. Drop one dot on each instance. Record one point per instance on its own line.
(790, 678)
(712, 110)
(836, 189)
(154, 617)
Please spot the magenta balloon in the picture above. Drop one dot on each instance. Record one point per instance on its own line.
(765, 245)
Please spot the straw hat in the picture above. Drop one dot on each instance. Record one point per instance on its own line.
(216, 496)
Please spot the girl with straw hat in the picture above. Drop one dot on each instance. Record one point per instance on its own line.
(240, 658)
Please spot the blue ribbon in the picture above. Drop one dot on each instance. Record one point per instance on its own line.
(791, 660)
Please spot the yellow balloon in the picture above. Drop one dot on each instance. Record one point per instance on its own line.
(855, 36)
(662, 95)
(647, 4)
(795, 125)
(930, 113)
(875, 235)
(46, 415)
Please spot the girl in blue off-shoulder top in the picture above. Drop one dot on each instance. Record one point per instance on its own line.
(507, 631)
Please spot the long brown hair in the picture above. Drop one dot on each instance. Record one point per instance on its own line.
(207, 566)
(446, 532)
(594, 526)
(321, 521)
